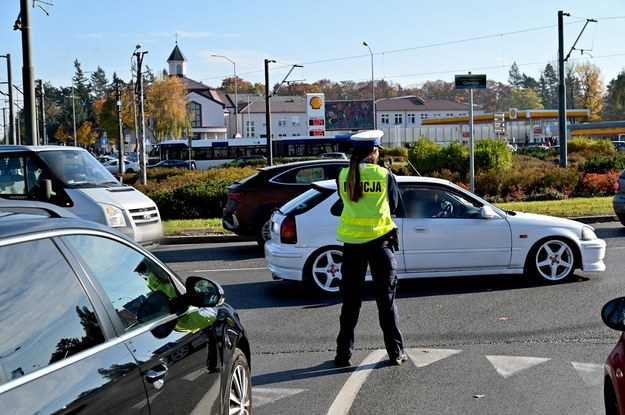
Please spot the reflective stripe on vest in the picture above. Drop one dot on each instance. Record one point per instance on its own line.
(370, 217)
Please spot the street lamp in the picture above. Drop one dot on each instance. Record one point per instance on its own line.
(375, 121)
(236, 99)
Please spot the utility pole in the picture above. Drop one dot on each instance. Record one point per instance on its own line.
(561, 92)
(268, 113)
(11, 137)
(43, 138)
(28, 78)
(120, 140)
(140, 56)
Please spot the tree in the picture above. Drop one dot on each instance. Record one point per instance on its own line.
(106, 113)
(493, 97)
(100, 86)
(514, 76)
(85, 135)
(166, 107)
(523, 99)
(61, 135)
(614, 108)
(592, 89)
(548, 87)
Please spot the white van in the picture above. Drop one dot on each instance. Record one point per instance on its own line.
(72, 178)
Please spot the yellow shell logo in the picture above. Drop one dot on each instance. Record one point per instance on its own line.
(316, 103)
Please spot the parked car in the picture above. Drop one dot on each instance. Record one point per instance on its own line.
(246, 158)
(618, 202)
(113, 166)
(613, 315)
(335, 155)
(444, 231)
(175, 164)
(93, 323)
(251, 200)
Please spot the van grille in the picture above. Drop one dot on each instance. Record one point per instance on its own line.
(144, 216)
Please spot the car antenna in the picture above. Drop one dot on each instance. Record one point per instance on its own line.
(414, 168)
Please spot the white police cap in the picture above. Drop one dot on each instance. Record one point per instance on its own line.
(368, 138)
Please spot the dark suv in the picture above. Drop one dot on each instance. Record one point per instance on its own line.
(251, 201)
(93, 323)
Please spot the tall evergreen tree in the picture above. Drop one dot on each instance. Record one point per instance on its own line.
(100, 86)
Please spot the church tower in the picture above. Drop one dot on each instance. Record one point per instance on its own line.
(177, 62)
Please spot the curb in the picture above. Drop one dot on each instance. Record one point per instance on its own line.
(204, 239)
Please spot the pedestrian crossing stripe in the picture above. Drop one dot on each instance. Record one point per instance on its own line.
(263, 396)
(507, 366)
(591, 373)
(424, 357)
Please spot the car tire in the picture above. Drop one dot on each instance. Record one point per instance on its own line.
(130, 171)
(238, 397)
(621, 218)
(552, 260)
(263, 234)
(323, 268)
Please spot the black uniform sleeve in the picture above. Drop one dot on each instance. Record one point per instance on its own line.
(393, 192)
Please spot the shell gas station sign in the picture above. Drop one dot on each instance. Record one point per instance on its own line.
(315, 109)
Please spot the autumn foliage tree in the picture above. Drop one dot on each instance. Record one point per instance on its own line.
(166, 107)
(85, 135)
(62, 135)
(106, 113)
(591, 90)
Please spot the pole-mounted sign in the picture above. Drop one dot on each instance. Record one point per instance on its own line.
(470, 81)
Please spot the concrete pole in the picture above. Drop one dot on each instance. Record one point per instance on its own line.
(28, 77)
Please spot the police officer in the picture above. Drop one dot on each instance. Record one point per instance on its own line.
(369, 194)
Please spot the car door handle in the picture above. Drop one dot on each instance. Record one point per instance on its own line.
(421, 229)
(156, 375)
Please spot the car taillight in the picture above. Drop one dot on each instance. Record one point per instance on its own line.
(288, 231)
(237, 196)
(617, 186)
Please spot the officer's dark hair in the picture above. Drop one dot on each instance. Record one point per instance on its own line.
(359, 154)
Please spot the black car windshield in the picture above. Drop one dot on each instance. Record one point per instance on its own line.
(78, 168)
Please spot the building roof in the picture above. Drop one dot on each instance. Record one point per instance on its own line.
(412, 103)
(290, 105)
(176, 55)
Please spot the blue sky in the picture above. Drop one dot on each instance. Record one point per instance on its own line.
(412, 41)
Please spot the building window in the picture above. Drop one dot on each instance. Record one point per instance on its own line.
(384, 118)
(295, 121)
(282, 135)
(411, 118)
(424, 116)
(282, 121)
(196, 110)
(399, 119)
(249, 129)
(536, 122)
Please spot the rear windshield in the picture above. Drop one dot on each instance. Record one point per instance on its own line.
(305, 201)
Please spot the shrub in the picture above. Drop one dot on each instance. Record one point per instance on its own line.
(594, 184)
(491, 154)
(423, 155)
(603, 164)
(535, 151)
(394, 152)
(585, 145)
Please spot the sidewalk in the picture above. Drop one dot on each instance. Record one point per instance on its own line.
(224, 238)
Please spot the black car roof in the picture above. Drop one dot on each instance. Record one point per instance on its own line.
(14, 223)
(302, 163)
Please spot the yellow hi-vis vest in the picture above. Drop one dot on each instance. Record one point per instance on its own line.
(370, 217)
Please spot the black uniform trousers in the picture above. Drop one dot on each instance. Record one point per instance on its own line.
(381, 260)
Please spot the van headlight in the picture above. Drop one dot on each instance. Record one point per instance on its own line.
(588, 234)
(114, 215)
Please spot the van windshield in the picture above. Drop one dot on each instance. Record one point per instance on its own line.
(78, 168)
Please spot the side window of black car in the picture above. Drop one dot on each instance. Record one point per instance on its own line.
(129, 278)
(45, 315)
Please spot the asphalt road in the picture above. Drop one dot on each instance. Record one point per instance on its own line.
(477, 345)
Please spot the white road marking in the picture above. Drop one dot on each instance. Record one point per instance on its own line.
(507, 366)
(230, 269)
(263, 396)
(424, 357)
(591, 373)
(346, 396)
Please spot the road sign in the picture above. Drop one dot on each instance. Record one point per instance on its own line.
(499, 123)
(470, 81)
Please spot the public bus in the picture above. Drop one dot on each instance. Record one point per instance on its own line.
(209, 153)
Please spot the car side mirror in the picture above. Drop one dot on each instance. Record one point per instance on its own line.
(487, 212)
(203, 292)
(613, 314)
(47, 189)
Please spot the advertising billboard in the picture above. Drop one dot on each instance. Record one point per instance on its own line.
(349, 115)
